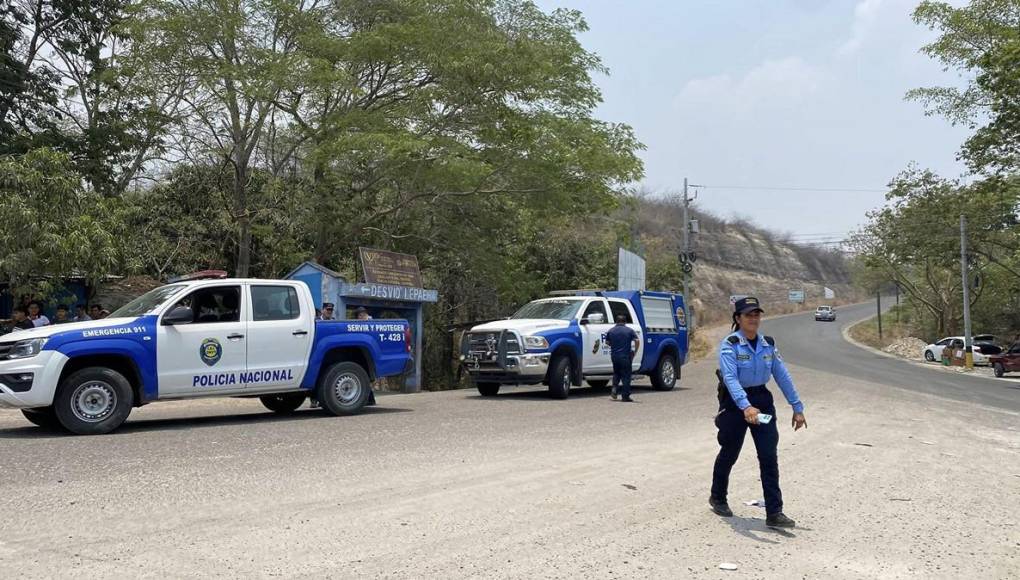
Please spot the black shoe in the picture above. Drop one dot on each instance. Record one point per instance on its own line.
(627, 400)
(720, 507)
(779, 521)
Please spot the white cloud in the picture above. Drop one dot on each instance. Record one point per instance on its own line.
(772, 83)
(866, 17)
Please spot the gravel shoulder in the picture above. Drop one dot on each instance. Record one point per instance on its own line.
(885, 483)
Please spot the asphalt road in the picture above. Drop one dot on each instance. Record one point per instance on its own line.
(820, 345)
(453, 485)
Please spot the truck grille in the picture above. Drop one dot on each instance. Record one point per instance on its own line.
(486, 344)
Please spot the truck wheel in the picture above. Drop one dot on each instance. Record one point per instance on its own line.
(43, 417)
(93, 401)
(344, 389)
(560, 373)
(997, 367)
(600, 384)
(488, 389)
(666, 373)
(283, 402)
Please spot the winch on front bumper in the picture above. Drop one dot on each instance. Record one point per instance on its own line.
(500, 357)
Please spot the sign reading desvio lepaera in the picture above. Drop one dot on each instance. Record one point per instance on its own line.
(382, 267)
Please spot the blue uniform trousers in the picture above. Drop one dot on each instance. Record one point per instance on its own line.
(621, 374)
(732, 428)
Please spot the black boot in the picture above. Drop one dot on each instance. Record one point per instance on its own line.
(720, 507)
(779, 521)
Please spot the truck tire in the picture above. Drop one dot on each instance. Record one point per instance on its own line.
(997, 367)
(560, 373)
(599, 384)
(488, 389)
(666, 373)
(93, 401)
(43, 417)
(283, 402)
(344, 389)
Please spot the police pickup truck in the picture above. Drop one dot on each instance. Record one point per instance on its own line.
(561, 341)
(224, 338)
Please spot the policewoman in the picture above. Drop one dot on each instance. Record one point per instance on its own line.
(747, 360)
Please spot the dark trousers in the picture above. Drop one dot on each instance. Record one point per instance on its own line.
(621, 374)
(732, 428)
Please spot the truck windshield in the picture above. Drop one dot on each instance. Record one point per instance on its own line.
(147, 302)
(556, 309)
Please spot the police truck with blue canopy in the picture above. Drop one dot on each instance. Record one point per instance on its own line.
(560, 341)
(203, 338)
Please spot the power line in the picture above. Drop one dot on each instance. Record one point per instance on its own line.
(781, 188)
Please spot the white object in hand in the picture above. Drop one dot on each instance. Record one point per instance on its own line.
(764, 418)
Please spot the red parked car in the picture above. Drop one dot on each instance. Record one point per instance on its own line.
(1007, 361)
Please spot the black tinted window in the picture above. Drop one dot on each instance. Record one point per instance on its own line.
(597, 307)
(217, 304)
(274, 303)
(619, 308)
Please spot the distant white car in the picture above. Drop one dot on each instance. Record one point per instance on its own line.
(827, 313)
(983, 344)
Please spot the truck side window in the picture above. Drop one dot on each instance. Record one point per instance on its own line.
(596, 307)
(217, 304)
(274, 303)
(619, 308)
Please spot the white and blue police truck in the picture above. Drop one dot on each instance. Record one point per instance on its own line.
(560, 342)
(205, 338)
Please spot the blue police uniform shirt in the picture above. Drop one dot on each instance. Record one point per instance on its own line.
(743, 365)
(620, 338)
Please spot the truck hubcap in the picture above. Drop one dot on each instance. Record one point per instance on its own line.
(93, 401)
(348, 388)
(668, 373)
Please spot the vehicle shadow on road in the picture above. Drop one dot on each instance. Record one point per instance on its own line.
(755, 529)
(579, 393)
(181, 423)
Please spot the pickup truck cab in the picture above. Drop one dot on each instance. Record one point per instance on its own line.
(561, 342)
(207, 338)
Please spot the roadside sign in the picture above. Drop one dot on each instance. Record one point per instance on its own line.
(390, 268)
(630, 273)
(830, 293)
(797, 296)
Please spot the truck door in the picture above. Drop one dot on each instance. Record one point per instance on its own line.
(623, 307)
(207, 354)
(279, 336)
(595, 324)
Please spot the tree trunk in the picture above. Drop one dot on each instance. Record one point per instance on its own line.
(243, 220)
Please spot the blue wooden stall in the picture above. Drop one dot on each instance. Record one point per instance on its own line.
(381, 301)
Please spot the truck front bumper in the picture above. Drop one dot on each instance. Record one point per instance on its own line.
(517, 369)
(30, 382)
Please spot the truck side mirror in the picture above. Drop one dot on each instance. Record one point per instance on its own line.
(596, 318)
(179, 315)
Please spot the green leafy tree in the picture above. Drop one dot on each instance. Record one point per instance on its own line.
(982, 40)
(52, 226)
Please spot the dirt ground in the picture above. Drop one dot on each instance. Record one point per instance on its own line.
(883, 484)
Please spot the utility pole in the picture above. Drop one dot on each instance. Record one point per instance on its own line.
(878, 295)
(687, 256)
(965, 271)
(686, 235)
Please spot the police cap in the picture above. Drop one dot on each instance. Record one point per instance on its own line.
(747, 305)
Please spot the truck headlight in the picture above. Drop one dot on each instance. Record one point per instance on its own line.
(535, 342)
(26, 348)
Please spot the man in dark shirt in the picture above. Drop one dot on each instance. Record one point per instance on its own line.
(21, 320)
(623, 343)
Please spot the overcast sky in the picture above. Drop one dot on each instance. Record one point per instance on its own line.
(777, 93)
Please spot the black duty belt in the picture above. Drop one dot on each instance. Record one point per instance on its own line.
(724, 393)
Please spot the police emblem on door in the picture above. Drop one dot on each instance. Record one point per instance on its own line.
(681, 317)
(210, 351)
